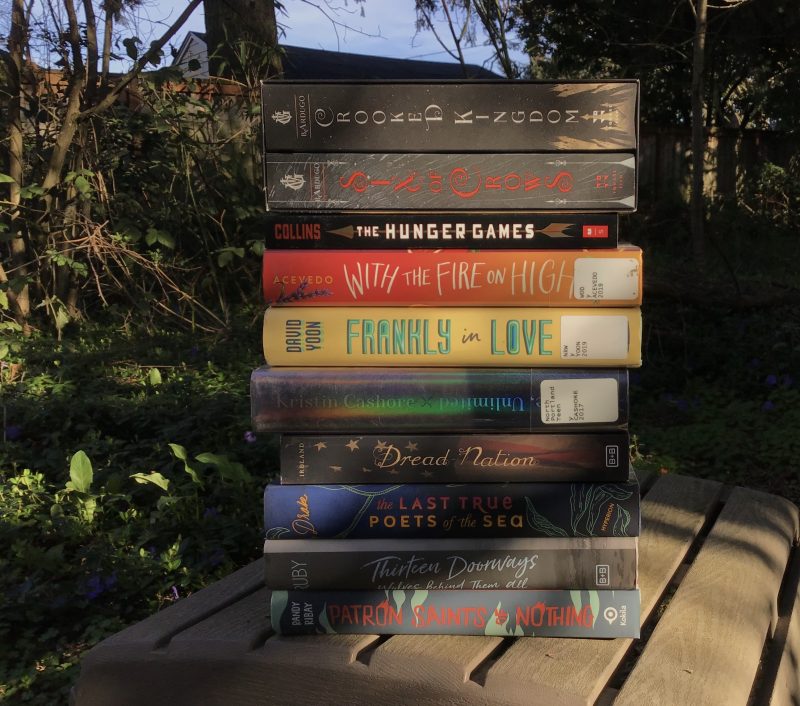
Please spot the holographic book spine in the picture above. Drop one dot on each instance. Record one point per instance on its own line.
(570, 278)
(453, 336)
(454, 116)
(559, 613)
(451, 564)
(430, 400)
(438, 510)
(602, 181)
(453, 458)
(401, 231)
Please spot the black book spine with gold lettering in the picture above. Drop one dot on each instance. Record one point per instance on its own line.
(453, 458)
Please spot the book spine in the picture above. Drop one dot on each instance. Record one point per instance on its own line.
(452, 336)
(464, 117)
(454, 278)
(451, 564)
(402, 399)
(400, 231)
(453, 458)
(558, 613)
(437, 510)
(451, 182)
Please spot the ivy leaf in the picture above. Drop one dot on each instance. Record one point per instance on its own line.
(83, 186)
(80, 472)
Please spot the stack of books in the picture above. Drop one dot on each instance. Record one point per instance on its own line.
(449, 328)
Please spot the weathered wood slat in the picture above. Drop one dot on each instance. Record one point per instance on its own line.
(787, 682)
(707, 646)
(570, 672)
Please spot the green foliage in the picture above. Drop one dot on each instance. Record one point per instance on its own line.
(117, 495)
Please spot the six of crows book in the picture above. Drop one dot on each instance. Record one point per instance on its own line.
(449, 326)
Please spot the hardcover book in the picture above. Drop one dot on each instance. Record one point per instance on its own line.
(398, 230)
(570, 181)
(454, 277)
(401, 399)
(453, 458)
(558, 613)
(451, 564)
(452, 336)
(491, 116)
(438, 510)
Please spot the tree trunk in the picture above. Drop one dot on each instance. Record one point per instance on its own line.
(19, 250)
(241, 32)
(697, 215)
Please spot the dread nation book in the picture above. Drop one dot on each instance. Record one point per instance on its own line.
(453, 458)
(490, 116)
(454, 277)
(570, 181)
(429, 400)
(439, 510)
(559, 613)
(517, 231)
(451, 564)
(452, 336)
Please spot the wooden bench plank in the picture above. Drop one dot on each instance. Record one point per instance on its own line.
(569, 672)
(786, 690)
(707, 646)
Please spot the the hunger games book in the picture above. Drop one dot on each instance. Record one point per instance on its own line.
(399, 230)
(554, 613)
(343, 181)
(439, 510)
(401, 400)
(452, 336)
(451, 564)
(453, 458)
(454, 277)
(450, 116)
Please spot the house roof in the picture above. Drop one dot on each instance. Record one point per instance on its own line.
(304, 63)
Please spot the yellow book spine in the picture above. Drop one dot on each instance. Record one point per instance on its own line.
(453, 336)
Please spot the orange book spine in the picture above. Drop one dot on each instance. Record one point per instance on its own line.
(579, 278)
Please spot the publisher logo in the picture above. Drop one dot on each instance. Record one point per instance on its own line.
(602, 574)
(595, 231)
(612, 456)
(611, 615)
(293, 181)
(282, 116)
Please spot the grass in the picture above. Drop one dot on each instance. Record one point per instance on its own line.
(129, 477)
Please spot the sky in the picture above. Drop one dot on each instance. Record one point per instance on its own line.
(387, 28)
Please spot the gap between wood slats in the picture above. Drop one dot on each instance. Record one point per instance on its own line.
(163, 642)
(773, 649)
(365, 654)
(628, 662)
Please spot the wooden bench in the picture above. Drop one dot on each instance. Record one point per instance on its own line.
(718, 571)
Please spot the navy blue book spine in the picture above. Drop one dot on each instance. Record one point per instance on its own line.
(444, 510)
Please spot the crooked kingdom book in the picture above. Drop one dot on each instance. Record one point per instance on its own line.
(450, 116)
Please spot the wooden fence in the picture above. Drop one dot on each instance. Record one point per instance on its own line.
(732, 157)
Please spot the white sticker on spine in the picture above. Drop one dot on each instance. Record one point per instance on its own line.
(597, 279)
(594, 337)
(579, 401)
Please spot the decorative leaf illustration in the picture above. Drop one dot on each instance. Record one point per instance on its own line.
(280, 599)
(368, 495)
(417, 599)
(496, 627)
(323, 620)
(594, 602)
(540, 522)
(621, 522)
(399, 597)
(577, 601)
(277, 532)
